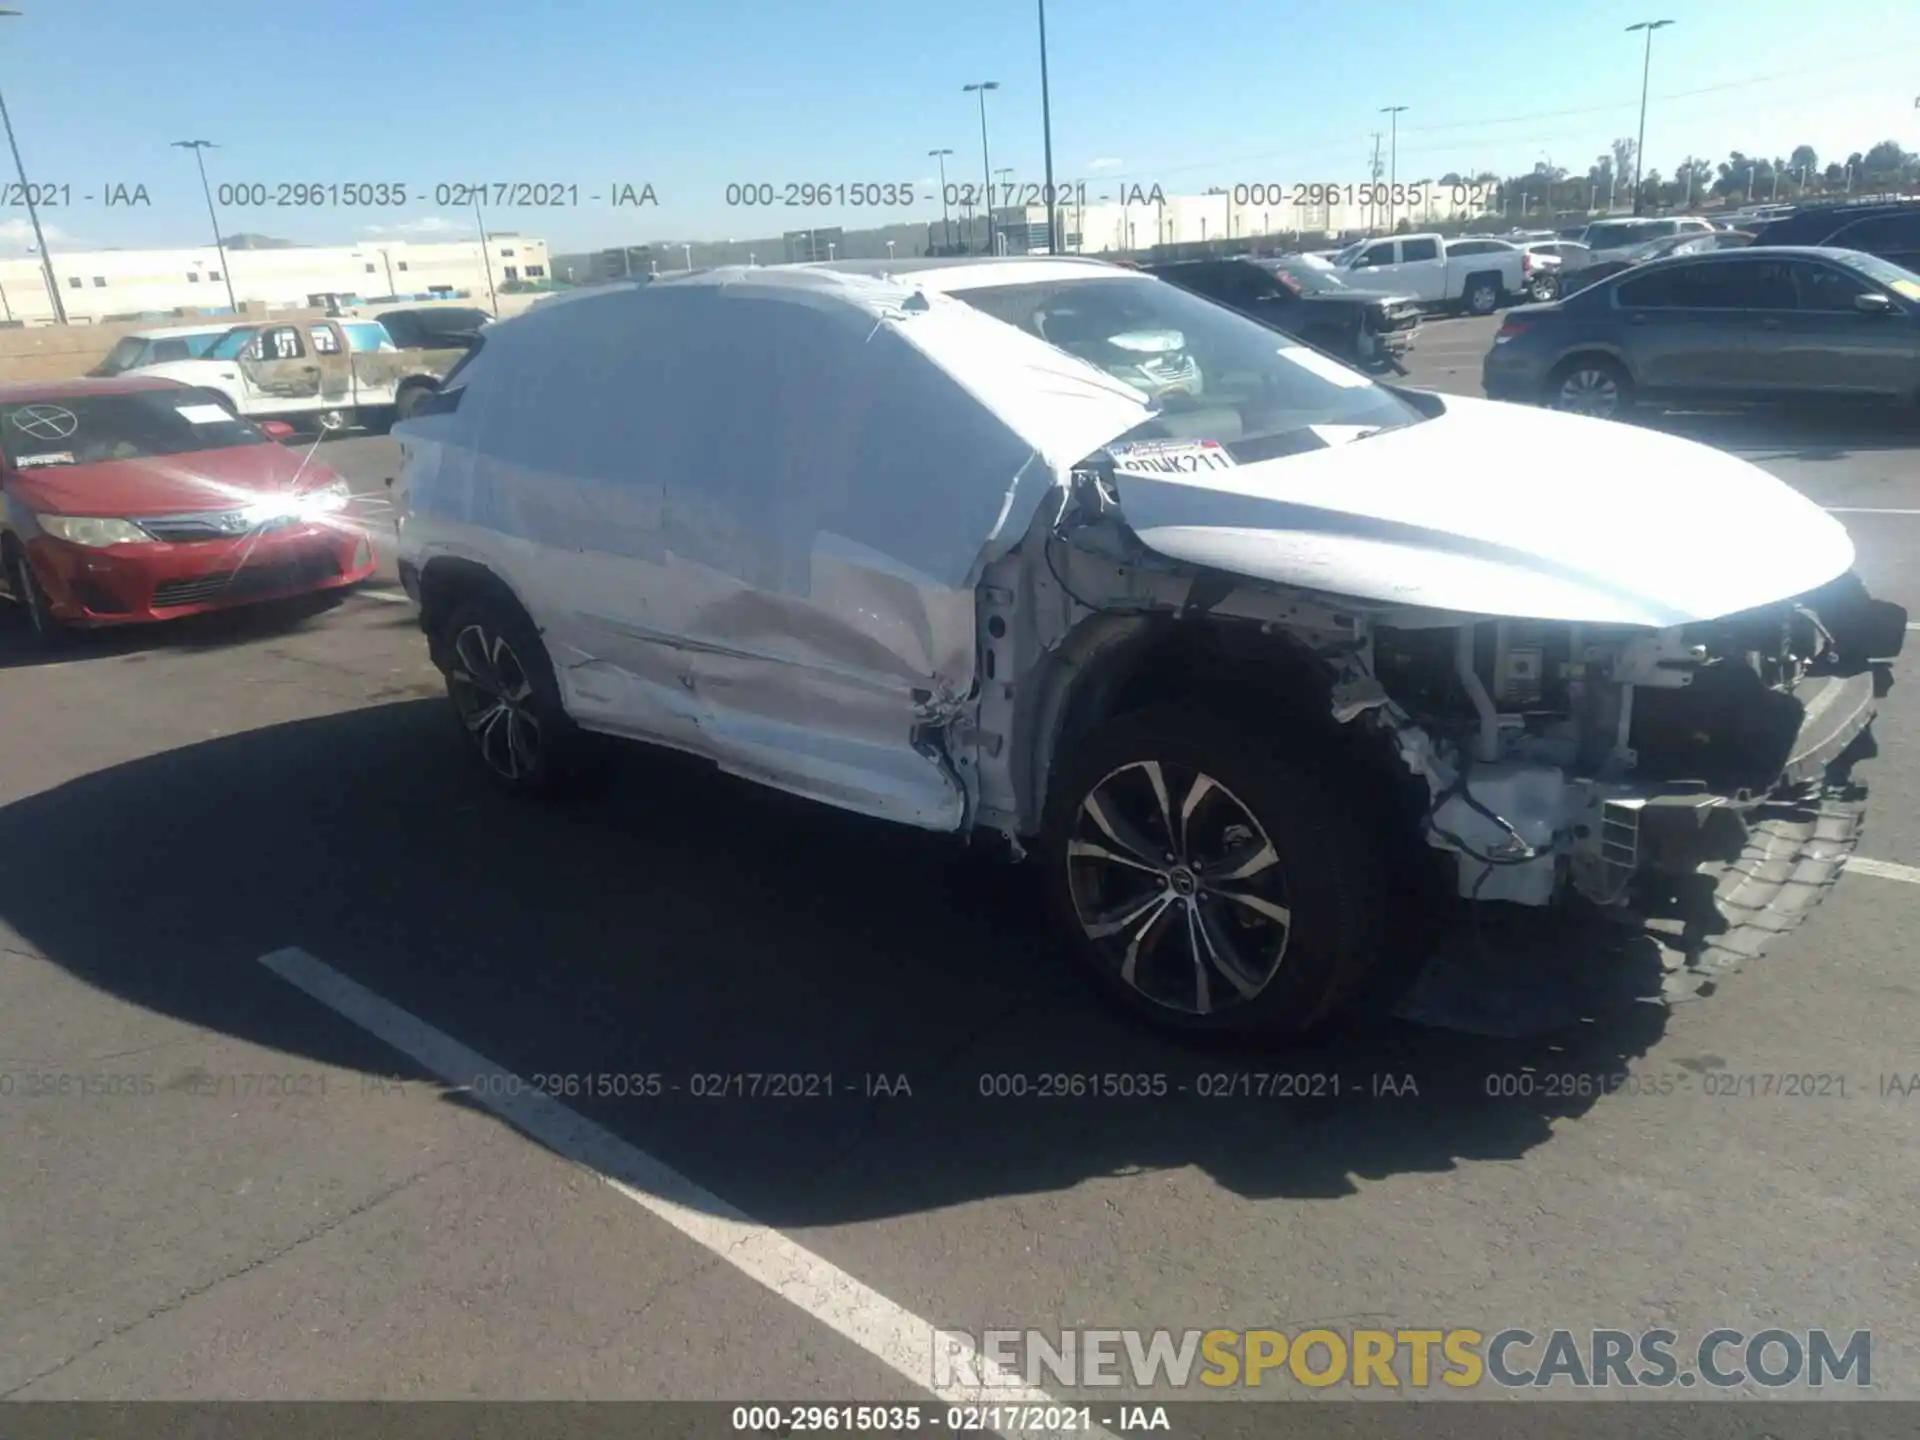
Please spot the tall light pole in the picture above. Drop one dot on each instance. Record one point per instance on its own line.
(33, 211)
(493, 297)
(1046, 134)
(946, 224)
(1393, 157)
(1640, 145)
(198, 147)
(986, 165)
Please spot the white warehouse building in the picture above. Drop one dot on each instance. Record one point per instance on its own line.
(97, 285)
(1104, 227)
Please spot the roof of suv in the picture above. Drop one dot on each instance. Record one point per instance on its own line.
(1824, 220)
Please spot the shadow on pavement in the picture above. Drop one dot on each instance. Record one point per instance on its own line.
(685, 925)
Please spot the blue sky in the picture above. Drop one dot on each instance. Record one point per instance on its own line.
(688, 97)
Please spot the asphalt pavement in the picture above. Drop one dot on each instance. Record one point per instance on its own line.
(279, 978)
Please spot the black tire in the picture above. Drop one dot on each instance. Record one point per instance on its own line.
(513, 722)
(1481, 295)
(1590, 376)
(1326, 875)
(31, 601)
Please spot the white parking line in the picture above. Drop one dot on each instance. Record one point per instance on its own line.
(901, 1340)
(1885, 869)
(392, 597)
(1865, 510)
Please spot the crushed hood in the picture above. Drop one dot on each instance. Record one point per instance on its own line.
(1504, 510)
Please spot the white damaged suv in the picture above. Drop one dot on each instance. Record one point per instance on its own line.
(1218, 630)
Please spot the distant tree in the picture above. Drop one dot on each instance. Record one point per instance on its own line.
(1804, 158)
(1886, 162)
(1835, 174)
(1452, 177)
(1625, 153)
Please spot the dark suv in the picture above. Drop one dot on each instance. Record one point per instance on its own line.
(1316, 307)
(1889, 229)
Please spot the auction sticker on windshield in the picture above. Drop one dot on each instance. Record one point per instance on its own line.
(1170, 457)
(204, 414)
(1907, 288)
(55, 457)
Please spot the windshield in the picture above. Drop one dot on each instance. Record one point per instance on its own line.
(1896, 278)
(1612, 237)
(87, 429)
(122, 357)
(366, 335)
(1312, 279)
(1214, 374)
(229, 345)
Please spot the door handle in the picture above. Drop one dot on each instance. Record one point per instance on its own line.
(309, 369)
(1769, 324)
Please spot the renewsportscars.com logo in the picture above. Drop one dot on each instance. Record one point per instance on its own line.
(1400, 1359)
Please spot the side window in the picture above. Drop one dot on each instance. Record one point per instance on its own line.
(1660, 229)
(280, 343)
(165, 350)
(1649, 292)
(1375, 255)
(1737, 285)
(1825, 287)
(1419, 249)
(404, 328)
(1883, 233)
(324, 340)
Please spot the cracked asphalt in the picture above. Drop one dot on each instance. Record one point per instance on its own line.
(213, 1186)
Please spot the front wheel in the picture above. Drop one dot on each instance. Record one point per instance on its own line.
(46, 630)
(1211, 879)
(1591, 385)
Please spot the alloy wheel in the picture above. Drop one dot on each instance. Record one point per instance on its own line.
(1589, 392)
(494, 697)
(1178, 888)
(1482, 299)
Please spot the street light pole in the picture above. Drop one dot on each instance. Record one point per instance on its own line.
(1639, 146)
(1393, 157)
(986, 165)
(946, 224)
(33, 211)
(198, 147)
(493, 296)
(1046, 134)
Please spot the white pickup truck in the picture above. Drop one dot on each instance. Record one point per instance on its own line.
(1474, 275)
(326, 374)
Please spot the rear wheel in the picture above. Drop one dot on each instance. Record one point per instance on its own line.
(503, 690)
(1590, 385)
(1482, 295)
(1545, 287)
(1210, 880)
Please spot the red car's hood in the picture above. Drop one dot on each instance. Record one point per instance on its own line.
(167, 484)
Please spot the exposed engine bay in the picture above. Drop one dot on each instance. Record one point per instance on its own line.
(1555, 756)
(1563, 754)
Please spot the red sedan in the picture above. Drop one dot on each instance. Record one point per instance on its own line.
(132, 499)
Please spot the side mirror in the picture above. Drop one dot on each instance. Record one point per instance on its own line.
(1873, 303)
(277, 430)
